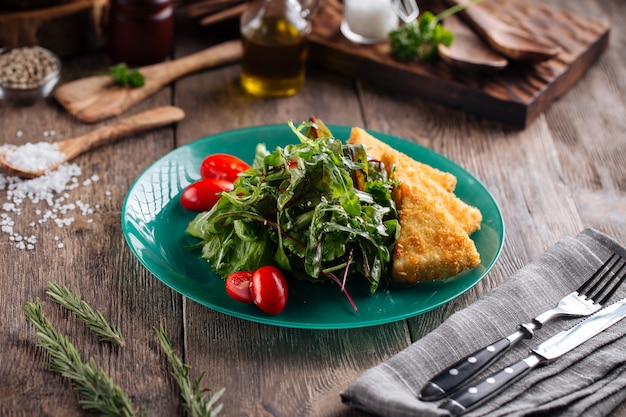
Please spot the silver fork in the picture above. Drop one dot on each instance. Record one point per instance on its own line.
(586, 300)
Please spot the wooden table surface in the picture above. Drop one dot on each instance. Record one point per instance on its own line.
(564, 172)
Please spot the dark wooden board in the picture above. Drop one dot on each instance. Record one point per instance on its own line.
(515, 96)
(66, 27)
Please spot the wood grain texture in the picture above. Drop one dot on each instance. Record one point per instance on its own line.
(71, 148)
(469, 52)
(515, 96)
(563, 172)
(96, 98)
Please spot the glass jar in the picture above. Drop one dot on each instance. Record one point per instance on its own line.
(274, 36)
(140, 31)
(368, 21)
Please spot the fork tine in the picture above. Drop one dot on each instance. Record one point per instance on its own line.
(600, 282)
(618, 282)
(584, 287)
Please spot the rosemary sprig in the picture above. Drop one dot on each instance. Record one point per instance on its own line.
(97, 390)
(195, 402)
(93, 319)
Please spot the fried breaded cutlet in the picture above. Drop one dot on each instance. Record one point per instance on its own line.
(435, 224)
(406, 167)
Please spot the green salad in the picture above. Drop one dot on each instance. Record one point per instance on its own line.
(317, 209)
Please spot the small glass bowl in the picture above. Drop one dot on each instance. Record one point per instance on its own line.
(19, 94)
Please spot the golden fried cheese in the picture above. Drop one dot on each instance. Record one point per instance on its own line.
(434, 240)
(406, 167)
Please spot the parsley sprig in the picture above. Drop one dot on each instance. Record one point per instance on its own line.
(124, 76)
(419, 39)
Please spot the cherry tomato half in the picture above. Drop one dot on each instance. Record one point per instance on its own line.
(238, 286)
(203, 194)
(269, 289)
(222, 166)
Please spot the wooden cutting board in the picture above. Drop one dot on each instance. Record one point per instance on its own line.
(515, 96)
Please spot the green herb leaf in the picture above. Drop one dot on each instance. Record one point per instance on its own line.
(125, 77)
(311, 208)
(97, 390)
(195, 402)
(93, 319)
(420, 39)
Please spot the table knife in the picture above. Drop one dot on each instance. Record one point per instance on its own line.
(544, 353)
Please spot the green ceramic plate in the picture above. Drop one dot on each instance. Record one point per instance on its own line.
(154, 226)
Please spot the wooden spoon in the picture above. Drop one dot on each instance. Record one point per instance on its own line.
(510, 41)
(96, 98)
(149, 119)
(469, 51)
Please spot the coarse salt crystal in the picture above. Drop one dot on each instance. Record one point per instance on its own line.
(35, 156)
(52, 190)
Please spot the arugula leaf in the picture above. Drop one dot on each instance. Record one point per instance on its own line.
(313, 208)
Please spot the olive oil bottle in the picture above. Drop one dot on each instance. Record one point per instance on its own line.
(274, 37)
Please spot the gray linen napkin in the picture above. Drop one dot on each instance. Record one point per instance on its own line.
(588, 381)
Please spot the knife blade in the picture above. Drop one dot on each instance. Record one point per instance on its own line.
(544, 353)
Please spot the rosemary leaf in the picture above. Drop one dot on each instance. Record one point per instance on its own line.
(97, 390)
(195, 402)
(93, 319)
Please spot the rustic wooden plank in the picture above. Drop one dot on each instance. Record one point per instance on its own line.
(546, 178)
(515, 96)
(592, 162)
(96, 260)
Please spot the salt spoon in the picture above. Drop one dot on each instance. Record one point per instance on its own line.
(71, 148)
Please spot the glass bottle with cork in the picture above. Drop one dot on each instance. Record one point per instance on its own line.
(274, 36)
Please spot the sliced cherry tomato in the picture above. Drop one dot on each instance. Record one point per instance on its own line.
(238, 286)
(269, 289)
(222, 167)
(202, 195)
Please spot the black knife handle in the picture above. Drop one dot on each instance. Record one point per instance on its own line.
(442, 384)
(467, 398)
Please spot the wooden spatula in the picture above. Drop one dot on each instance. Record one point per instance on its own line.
(71, 148)
(508, 40)
(96, 98)
(469, 51)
